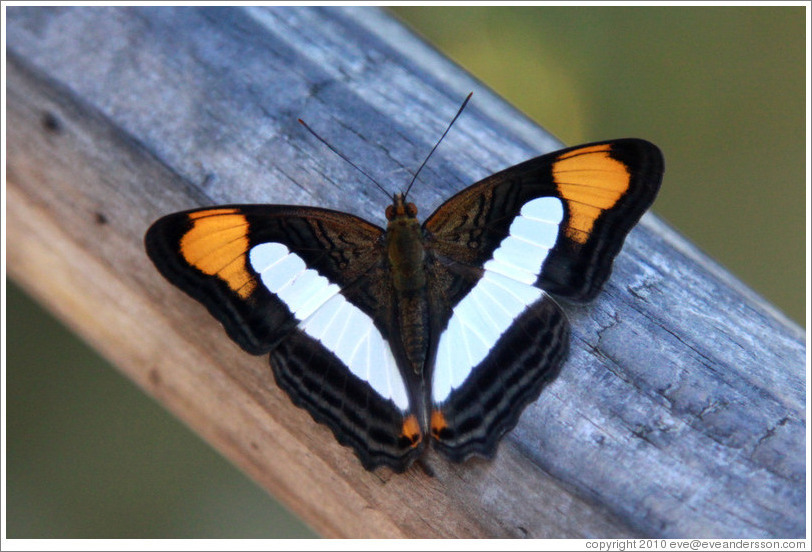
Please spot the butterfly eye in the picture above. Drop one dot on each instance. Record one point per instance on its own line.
(411, 209)
(390, 212)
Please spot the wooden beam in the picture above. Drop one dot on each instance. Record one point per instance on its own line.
(680, 412)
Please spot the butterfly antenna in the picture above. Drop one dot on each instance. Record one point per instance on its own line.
(344, 157)
(437, 144)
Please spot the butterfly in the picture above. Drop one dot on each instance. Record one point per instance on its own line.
(416, 336)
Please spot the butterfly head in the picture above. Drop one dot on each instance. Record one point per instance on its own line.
(400, 209)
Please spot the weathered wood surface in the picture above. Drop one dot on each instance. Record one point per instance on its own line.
(680, 412)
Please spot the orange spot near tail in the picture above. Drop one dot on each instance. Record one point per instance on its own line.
(438, 423)
(411, 431)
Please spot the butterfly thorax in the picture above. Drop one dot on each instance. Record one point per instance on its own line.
(407, 269)
(404, 245)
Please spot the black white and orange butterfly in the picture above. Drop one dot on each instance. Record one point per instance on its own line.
(437, 333)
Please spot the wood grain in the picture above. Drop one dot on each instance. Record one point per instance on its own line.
(680, 412)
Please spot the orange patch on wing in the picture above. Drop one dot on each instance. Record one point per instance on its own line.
(591, 182)
(438, 423)
(217, 245)
(411, 430)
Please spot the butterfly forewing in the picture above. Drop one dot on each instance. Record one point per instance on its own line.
(603, 188)
(206, 252)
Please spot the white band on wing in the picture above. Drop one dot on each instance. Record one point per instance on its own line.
(326, 316)
(502, 294)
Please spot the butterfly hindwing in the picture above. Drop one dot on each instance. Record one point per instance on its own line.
(305, 285)
(382, 432)
(471, 417)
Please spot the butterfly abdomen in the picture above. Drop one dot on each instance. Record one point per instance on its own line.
(413, 319)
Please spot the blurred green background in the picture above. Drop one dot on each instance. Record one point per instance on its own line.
(720, 90)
